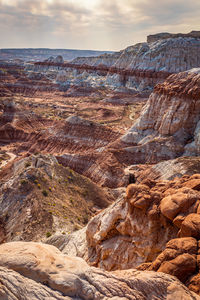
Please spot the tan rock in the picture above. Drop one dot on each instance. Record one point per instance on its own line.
(167, 121)
(178, 220)
(194, 284)
(14, 286)
(52, 275)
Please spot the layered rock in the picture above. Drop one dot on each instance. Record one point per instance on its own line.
(168, 169)
(168, 126)
(165, 35)
(57, 276)
(139, 67)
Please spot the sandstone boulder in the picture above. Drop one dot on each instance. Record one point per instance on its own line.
(180, 258)
(180, 201)
(191, 226)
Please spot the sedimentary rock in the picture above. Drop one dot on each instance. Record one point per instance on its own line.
(136, 229)
(169, 123)
(58, 276)
(167, 170)
(38, 197)
(58, 59)
(165, 35)
(139, 67)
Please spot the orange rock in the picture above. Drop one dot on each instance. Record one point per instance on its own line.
(182, 266)
(179, 202)
(191, 226)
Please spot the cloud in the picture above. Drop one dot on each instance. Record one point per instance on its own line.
(92, 24)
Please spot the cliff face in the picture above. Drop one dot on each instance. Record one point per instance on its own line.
(169, 123)
(138, 67)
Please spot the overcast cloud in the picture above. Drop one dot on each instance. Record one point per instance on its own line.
(92, 24)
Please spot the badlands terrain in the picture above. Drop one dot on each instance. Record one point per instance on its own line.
(100, 172)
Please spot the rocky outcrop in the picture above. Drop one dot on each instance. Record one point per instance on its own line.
(169, 123)
(165, 35)
(137, 228)
(39, 271)
(58, 59)
(181, 259)
(167, 170)
(138, 68)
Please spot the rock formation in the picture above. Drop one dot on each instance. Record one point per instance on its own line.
(168, 126)
(58, 59)
(136, 228)
(38, 197)
(39, 271)
(156, 227)
(165, 35)
(138, 68)
(181, 259)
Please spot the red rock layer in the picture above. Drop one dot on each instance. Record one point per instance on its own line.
(104, 70)
(182, 85)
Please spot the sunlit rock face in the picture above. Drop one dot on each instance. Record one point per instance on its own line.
(168, 126)
(138, 68)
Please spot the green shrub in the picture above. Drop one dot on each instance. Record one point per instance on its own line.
(85, 219)
(45, 193)
(71, 200)
(27, 164)
(23, 181)
(48, 234)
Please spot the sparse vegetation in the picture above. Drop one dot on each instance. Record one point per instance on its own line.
(48, 234)
(45, 193)
(27, 164)
(23, 181)
(85, 219)
(71, 200)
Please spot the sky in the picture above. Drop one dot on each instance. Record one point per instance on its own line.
(92, 24)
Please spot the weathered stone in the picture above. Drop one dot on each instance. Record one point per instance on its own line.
(38, 271)
(191, 226)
